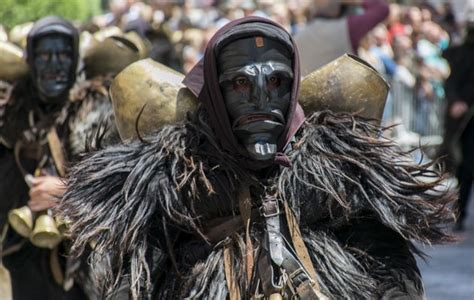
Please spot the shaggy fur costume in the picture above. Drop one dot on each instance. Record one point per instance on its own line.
(77, 123)
(146, 206)
(24, 118)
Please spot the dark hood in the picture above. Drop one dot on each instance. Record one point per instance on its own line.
(50, 25)
(203, 81)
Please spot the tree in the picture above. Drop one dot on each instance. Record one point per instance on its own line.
(13, 12)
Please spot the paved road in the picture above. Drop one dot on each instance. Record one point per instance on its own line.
(449, 272)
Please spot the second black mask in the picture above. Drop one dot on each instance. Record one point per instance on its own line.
(53, 61)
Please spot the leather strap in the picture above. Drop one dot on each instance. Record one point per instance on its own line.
(55, 266)
(297, 265)
(56, 151)
(303, 256)
(298, 243)
(308, 291)
(271, 212)
(5, 278)
(232, 286)
(221, 228)
(5, 143)
(72, 266)
(14, 248)
(267, 275)
(245, 207)
(297, 279)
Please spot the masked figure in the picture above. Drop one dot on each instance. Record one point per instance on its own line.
(42, 127)
(247, 198)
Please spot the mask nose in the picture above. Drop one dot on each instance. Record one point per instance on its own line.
(54, 61)
(259, 92)
(54, 58)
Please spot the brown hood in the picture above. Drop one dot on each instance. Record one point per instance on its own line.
(203, 82)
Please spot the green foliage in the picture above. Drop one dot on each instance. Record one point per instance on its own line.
(13, 12)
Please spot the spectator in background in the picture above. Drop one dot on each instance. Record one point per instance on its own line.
(405, 59)
(366, 54)
(394, 23)
(114, 17)
(433, 71)
(414, 18)
(459, 138)
(382, 49)
(331, 33)
(447, 20)
(297, 10)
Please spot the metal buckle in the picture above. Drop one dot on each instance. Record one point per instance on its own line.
(274, 214)
(297, 273)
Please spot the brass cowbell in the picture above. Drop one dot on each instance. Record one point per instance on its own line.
(275, 296)
(46, 233)
(21, 220)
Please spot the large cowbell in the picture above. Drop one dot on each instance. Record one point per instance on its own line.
(13, 65)
(347, 84)
(147, 95)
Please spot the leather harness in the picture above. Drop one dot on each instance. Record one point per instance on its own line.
(282, 267)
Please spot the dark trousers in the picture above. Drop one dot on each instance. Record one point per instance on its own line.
(465, 185)
(465, 172)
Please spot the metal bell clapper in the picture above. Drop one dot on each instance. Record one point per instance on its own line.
(62, 224)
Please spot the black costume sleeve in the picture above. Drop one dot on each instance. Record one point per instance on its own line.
(387, 256)
(458, 85)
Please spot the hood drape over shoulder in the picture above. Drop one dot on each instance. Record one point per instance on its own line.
(203, 81)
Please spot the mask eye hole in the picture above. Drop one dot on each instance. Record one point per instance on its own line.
(274, 81)
(43, 55)
(241, 83)
(63, 56)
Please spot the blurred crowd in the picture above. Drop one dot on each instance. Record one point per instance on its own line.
(408, 49)
(407, 46)
(179, 30)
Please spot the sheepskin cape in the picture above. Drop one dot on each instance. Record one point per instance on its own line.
(140, 211)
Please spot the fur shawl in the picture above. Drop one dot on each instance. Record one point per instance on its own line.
(359, 199)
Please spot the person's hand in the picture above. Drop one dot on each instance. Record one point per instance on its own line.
(45, 192)
(458, 109)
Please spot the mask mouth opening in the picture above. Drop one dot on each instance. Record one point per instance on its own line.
(59, 77)
(261, 150)
(275, 116)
